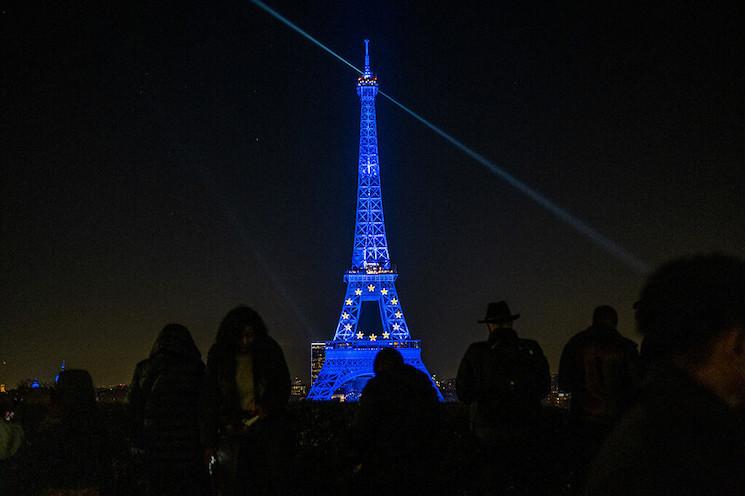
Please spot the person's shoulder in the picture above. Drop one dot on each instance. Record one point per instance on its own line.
(423, 385)
(273, 350)
(528, 342)
(374, 386)
(143, 364)
(143, 367)
(266, 342)
(415, 374)
(214, 351)
(629, 452)
(630, 343)
(574, 345)
(603, 336)
(582, 336)
(615, 340)
(477, 346)
(475, 351)
(217, 359)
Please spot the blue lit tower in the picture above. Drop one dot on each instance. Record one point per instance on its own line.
(371, 278)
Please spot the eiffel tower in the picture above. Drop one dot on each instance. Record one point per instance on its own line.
(371, 278)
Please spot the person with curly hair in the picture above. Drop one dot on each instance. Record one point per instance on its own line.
(244, 398)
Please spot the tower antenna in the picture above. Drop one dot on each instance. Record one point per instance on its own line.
(367, 72)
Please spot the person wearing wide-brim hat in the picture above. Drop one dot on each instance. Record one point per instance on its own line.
(498, 313)
(503, 380)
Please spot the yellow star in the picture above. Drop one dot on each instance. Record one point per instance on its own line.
(360, 335)
(398, 314)
(386, 334)
(373, 337)
(384, 291)
(371, 288)
(348, 301)
(344, 315)
(396, 327)
(347, 327)
(358, 291)
(394, 301)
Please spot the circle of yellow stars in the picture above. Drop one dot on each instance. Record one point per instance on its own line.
(372, 337)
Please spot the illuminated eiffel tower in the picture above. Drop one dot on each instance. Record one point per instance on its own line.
(371, 280)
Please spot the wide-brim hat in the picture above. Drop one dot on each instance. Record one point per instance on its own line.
(497, 313)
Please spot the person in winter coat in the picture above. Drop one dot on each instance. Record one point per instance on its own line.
(395, 428)
(503, 380)
(686, 433)
(243, 422)
(602, 371)
(163, 401)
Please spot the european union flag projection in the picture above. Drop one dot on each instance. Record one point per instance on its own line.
(370, 280)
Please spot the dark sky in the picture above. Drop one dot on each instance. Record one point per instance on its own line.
(166, 161)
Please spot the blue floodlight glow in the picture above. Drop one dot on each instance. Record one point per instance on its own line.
(61, 369)
(348, 361)
(610, 246)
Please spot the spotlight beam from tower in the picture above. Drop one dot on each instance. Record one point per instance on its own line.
(602, 241)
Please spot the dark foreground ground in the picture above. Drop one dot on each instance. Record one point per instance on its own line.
(322, 463)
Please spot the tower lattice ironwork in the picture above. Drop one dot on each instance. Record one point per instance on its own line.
(371, 278)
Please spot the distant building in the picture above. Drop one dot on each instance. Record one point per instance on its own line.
(112, 394)
(298, 389)
(557, 398)
(340, 397)
(447, 388)
(33, 383)
(317, 357)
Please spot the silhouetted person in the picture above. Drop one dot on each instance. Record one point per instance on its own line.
(11, 439)
(395, 428)
(71, 451)
(602, 371)
(686, 434)
(245, 396)
(504, 379)
(164, 405)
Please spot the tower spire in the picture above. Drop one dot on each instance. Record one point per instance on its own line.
(367, 73)
(370, 249)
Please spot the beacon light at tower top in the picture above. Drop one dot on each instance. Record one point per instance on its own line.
(367, 81)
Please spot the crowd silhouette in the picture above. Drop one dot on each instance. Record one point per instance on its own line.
(667, 420)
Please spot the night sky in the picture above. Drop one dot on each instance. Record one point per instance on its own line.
(167, 161)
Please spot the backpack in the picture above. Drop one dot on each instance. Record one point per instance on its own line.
(516, 375)
(609, 378)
